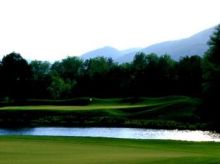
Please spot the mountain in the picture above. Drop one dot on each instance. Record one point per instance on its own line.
(194, 45)
(108, 52)
(131, 50)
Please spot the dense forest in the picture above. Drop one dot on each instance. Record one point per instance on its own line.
(148, 75)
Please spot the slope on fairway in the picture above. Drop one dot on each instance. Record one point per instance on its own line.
(68, 150)
(164, 112)
(129, 105)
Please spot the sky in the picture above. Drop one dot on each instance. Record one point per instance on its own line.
(53, 29)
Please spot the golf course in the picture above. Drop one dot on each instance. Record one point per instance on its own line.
(109, 82)
(165, 112)
(68, 150)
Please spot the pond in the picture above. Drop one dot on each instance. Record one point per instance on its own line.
(129, 133)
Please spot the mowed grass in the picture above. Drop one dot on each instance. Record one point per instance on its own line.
(162, 108)
(149, 104)
(69, 150)
(164, 112)
(69, 108)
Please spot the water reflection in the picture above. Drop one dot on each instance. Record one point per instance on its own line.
(132, 133)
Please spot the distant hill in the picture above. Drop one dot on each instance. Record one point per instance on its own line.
(194, 45)
(108, 52)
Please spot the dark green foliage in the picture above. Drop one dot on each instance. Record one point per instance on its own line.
(68, 69)
(147, 75)
(40, 79)
(97, 78)
(190, 75)
(64, 77)
(59, 88)
(39, 69)
(16, 74)
(211, 76)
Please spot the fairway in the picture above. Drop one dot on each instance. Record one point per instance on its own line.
(70, 108)
(68, 150)
(140, 105)
(164, 112)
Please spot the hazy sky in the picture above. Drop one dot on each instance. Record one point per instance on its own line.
(52, 29)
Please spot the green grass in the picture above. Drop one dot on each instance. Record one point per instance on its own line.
(69, 150)
(70, 108)
(129, 105)
(165, 112)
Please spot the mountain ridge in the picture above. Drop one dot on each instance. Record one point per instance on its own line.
(193, 45)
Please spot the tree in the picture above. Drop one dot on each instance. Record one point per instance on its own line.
(152, 75)
(1, 82)
(69, 68)
(138, 82)
(40, 79)
(167, 75)
(149, 80)
(211, 77)
(189, 74)
(139, 63)
(59, 88)
(97, 66)
(39, 69)
(94, 79)
(16, 73)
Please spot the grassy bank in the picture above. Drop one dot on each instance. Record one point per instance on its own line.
(68, 150)
(165, 112)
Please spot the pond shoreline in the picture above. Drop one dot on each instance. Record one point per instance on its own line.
(123, 133)
(28, 119)
(195, 128)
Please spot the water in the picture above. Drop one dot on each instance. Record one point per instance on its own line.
(132, 133)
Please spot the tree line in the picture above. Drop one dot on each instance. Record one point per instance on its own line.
(147, 75)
